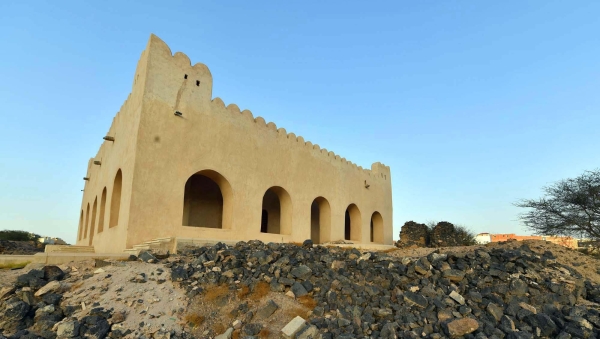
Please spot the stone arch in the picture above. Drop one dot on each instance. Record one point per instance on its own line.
(94, 208)
(87, 220)
(352, 223)
(376, 228)
(276, 211)
(80, 226)
(115, 199)
(207, 201)
(320, 221)
(102, 211)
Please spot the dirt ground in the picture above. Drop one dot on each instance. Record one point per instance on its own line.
(211, 311)
(156, 303)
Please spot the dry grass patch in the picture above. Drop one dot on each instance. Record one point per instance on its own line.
(194, 319)
(215, 292)
(235, 334)
(390, 250)
(218, 328)
(260, 290)
(307, 301)
(14, 266)
(76, 285)
(264, 333)
(243, 292)
(293, 312)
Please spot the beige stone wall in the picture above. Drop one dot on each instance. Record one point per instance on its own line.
(114, 157)
(242, 154)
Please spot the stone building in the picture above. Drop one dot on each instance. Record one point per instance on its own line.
(484, 238)
(178, 164)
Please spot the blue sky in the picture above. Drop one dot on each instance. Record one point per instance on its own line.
(473, 104)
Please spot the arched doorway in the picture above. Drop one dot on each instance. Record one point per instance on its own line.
(207, 201)
(102, 211)
(320, 221)
(80, 225)
(276, 214)
(115, 199)
(352, 224)
(376, 228)
(93, 220)
(87, 221)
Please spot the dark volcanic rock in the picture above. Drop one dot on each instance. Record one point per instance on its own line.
(146, 256)
(53, 273)
(302, 272)
(15, 310)
(491, 292)
(487, 293)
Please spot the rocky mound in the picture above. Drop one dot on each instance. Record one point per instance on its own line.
(414, 234)
(253, 290)
(19, 247)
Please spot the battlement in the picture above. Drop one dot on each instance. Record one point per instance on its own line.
(173, 89)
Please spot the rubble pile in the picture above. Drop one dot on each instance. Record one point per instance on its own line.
(49, 302)
(413, 234)
(444, 234)
(497, 293)
(487, 292)
(19, 247)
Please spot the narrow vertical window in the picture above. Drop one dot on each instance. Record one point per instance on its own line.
(80, 226)
(102, 211)
(115, 200)
(93, 220)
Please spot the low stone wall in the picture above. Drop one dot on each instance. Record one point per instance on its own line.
(68, 249)
(11, 261)
(56, 258)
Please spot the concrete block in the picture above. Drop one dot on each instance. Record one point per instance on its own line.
(293, 327)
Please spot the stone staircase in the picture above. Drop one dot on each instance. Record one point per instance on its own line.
(159, 244)
(69, 249)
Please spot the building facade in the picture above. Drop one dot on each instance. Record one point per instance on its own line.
(178, 163)
(484, 238)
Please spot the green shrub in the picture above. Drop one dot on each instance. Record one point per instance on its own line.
(465, 236)
(18, 235)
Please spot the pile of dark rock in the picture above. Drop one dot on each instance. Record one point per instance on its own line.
(20, 247)
(485, 293)
(495, 293)
(33, 307)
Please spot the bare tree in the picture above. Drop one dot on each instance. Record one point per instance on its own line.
(570, 207)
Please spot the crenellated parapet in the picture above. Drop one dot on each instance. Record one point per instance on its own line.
(201, 72)
(377, 171)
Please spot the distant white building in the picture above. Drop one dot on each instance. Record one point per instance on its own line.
(483, 238)
(51, 241)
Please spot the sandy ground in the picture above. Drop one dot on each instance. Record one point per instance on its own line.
(156, 303)
(216, 317)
